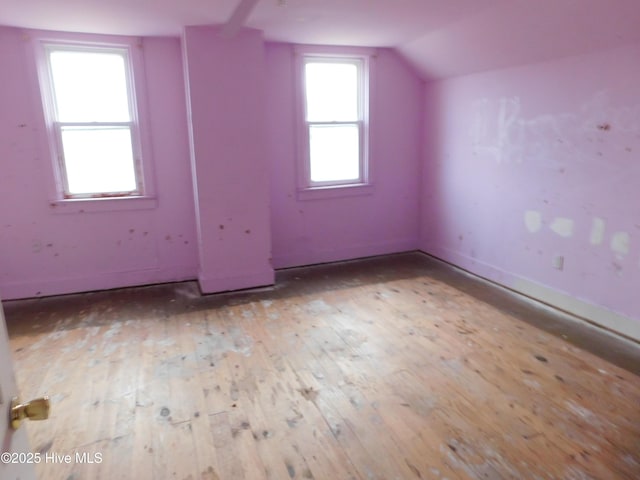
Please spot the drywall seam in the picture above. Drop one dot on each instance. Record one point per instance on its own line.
(580, 310)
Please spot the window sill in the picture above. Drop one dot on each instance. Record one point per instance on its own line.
(91, 205)
(335, 191)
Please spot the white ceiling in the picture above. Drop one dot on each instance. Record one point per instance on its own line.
(348, 22)
(519, 32)
(440, 37)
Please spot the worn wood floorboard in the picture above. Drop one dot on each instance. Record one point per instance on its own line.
(395, 367)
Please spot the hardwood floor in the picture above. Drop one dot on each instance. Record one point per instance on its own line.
(395, 367)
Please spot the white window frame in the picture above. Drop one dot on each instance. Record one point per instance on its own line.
(131, 50)
(361, 57)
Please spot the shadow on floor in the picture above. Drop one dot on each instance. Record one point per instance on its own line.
(42, 315)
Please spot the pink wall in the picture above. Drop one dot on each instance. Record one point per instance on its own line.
(527, 164)
(522, 166)
(385, 220)
(226, 94)
(225, 239)
(43, 251)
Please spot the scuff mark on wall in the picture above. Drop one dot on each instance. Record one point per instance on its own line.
(562, 226)
(597, 231)
(620, 243)
(533, 220)
(36, 246)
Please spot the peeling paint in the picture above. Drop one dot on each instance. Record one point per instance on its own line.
(620, 243)
(533, 220)
(498, 130)
(562, 226)
(597, 231)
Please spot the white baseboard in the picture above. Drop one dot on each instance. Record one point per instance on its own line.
(582, 310)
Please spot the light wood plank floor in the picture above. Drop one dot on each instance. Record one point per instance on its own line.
(395, 367)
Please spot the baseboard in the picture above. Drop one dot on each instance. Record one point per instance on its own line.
(215, 284)
(99, 281)
(301, 259)
(584, 311)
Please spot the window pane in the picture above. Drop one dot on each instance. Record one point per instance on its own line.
(90, 86)
(331, 92)
(98, 159)
(334, 152)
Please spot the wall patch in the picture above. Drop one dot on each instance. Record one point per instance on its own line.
(597, 231)
(562, 226)
(620, 243)
(533, 220)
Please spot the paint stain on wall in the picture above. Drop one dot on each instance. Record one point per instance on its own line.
(482, 131)
(597, 231)
(533, 220)
(620, 243)
(562, 226)
(498, 131)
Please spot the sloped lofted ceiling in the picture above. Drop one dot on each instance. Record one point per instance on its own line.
(441, 38)
(518, 32)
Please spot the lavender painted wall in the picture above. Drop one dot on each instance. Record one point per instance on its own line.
(45, 252)
(49, 250)
(527, 164)
(340, 227)
(522, 166)
(226, 94)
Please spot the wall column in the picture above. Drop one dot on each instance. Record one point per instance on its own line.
(225, 85)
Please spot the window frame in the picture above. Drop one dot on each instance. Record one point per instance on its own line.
(361, 57)
(131, 50)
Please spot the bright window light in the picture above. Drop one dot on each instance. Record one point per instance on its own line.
(90, 86)
(334, 95)
(93, 121)
(332, 92)
(98, 159)
(334, 152)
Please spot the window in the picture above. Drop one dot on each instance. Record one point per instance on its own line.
(92, 115)
(335, 109)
